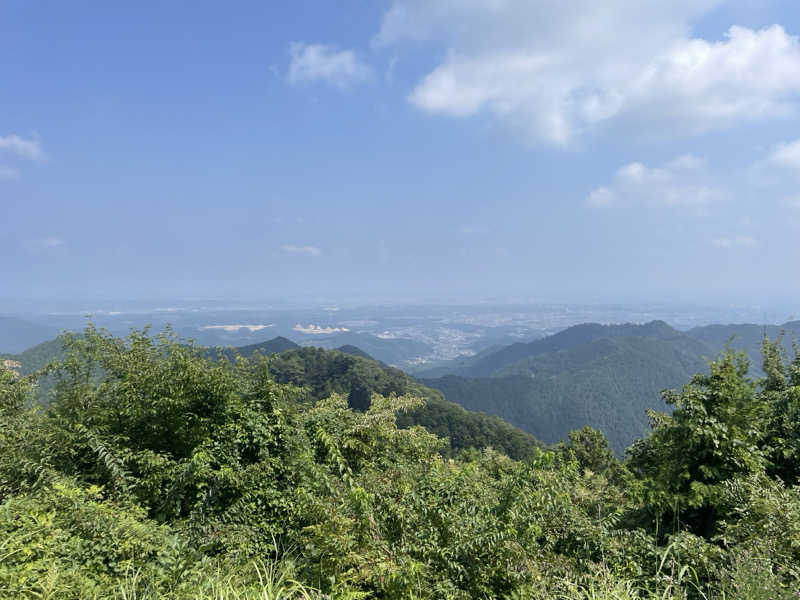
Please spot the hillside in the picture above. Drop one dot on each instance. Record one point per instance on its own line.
(392, 351)
(603, 376)
(354, 351)
(273, 346)
(36, 357)
(324, 372)
(348, 371)
(746, 337)
(490, 362)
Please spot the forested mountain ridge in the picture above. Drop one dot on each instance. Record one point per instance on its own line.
(324, 372)
(488, 364)
(273, 346)
(392, 351)
(605, 376)
(351, 372)
(355, 351)
(747, 337)
(38, 356)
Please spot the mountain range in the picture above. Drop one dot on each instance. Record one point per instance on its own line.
(606, 376)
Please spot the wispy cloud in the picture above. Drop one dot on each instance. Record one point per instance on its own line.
(683, 182)
(786, 155)
(24, 148)
(308, 250)
(322, 63)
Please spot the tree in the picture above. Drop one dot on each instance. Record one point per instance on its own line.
(781, 394)
(590, 448)
(713, 435)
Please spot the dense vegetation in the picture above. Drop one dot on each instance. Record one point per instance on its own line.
(322, 373)
(607, 376)
(158, 472)
(36, 357)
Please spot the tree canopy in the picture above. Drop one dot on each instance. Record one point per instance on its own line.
(158, 471)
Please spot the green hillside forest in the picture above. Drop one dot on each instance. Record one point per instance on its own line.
(349, 371)
(322, 373)
(158, 471)
(607, 376)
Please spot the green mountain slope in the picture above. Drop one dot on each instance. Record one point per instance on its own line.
(351, 372)
(323, 372)
(36, 357)
(392, 351)
(573, 337)
(747, 338)
(603, 376)
(273, 346)
(353, 350)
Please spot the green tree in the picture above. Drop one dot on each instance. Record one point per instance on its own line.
(713, 435)
(590, 448)
(781, 394)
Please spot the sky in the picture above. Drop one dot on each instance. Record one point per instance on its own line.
(401, 148)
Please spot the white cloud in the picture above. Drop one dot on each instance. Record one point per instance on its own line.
(318, 62)
(601, 197)
(786, 155)
(555, 70)
(7, 173)
(739, 241)
(683, 182)
(24, 148)
(309, 250)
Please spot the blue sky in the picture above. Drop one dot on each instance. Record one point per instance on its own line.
(406, 148)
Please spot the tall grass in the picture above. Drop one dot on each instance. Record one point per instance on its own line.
(272, 580)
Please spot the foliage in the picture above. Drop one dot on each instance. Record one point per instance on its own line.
(602, 376)
(711, 437)
(158, 471)
(325, 372)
